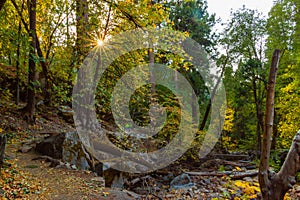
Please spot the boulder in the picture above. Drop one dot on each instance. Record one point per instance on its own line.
(69, 148)
(182, 181)
(52, 146)
(74, 152)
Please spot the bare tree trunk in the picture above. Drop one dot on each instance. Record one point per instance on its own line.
(274, 186)
(214, 91)
(264, 178)
(17, 66)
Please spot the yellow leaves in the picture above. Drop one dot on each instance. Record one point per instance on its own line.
(228, 143)
(240, 184)
(238, 169)
(288, 105)
(229, 117)
(105, 194)
(1, 130)
(248, 189)
(251, 190)
(145, 13)
(187, 34)
(287, 197)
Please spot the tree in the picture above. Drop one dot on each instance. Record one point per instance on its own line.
(275, 185)
(244, 35)
(30, 107)
(193, 18)
(283, 31)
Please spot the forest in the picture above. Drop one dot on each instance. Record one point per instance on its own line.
(160, 99)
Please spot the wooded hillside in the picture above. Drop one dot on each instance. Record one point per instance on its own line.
(214, 101)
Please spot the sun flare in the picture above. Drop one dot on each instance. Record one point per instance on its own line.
(100, 42)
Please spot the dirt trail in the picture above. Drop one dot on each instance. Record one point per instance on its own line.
(61, 183)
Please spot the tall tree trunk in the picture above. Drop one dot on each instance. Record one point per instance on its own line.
(30, 107)
(274, 186)
(17, 66)
(269, 118)
(194, 108)
(39, 52)
(17, 60)
(259, 115)
(81, 29)
(152, 74)
(213, 93)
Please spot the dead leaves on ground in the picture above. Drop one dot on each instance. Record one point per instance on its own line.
(15, 184)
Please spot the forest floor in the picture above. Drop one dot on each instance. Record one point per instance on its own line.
(25, 178)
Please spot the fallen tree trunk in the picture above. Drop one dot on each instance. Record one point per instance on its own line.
(284, 180)
(230, 156)
(233, 175)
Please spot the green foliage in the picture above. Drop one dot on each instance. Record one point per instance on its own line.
(192, 17)
(283, 30)
(245, 85)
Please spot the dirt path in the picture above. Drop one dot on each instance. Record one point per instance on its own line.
(61, 183)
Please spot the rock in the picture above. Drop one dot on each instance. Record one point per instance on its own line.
(74, 152)
(52, 146)
(114, 178)
(25, 148)
(207, 181)
(297, 188)
(168, 177)
(248, 179)
(69, 148)
(182, 181)
(122, 194)
(98, 168)
(74, 167)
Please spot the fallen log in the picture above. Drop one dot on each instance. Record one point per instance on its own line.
(233, 174)
(230, 157)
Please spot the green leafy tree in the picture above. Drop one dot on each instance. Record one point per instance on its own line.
(283, 33)
(243, 36)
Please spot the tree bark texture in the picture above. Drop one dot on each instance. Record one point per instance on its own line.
(264, 178)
